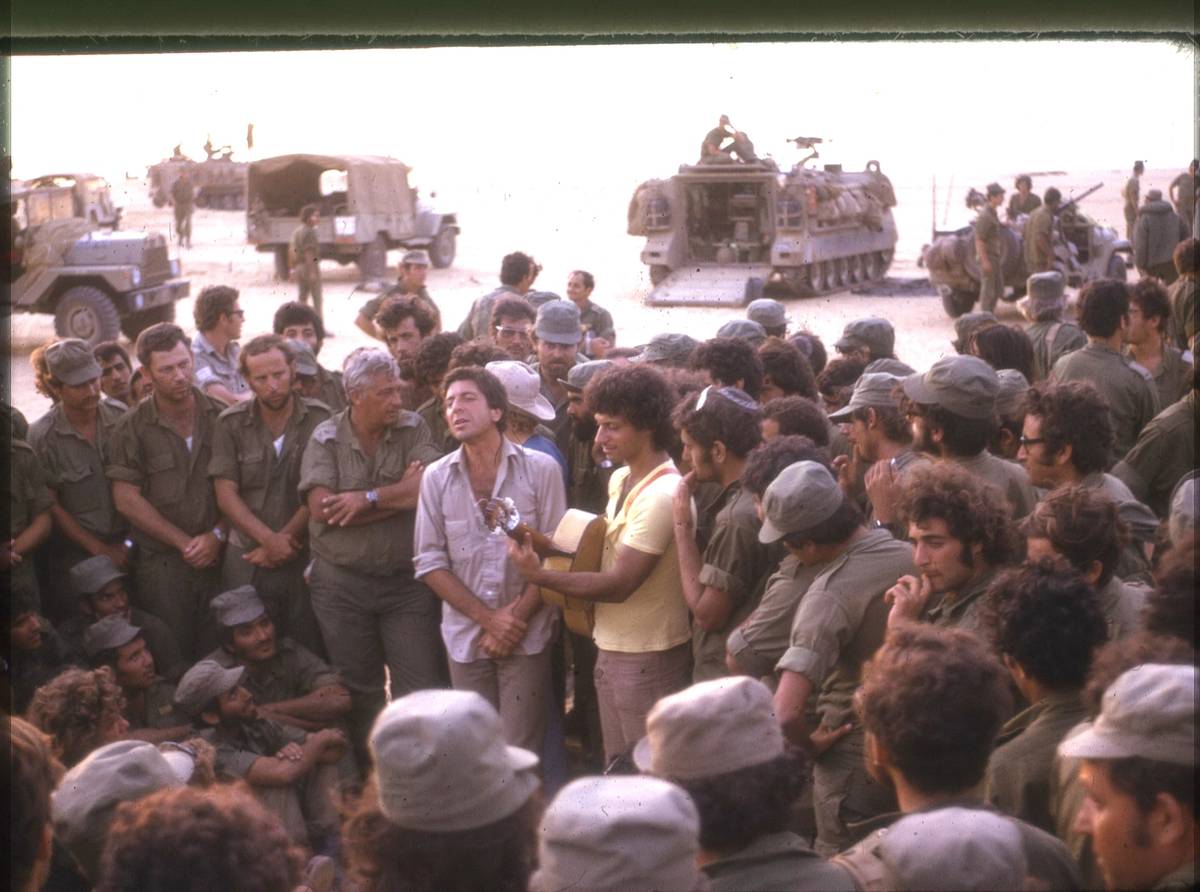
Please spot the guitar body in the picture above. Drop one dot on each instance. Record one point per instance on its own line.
(579, 538)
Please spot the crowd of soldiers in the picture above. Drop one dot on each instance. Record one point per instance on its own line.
(852, 625)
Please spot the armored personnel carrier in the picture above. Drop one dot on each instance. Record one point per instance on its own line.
(1083, 250)
(219, 181)
(723, 234)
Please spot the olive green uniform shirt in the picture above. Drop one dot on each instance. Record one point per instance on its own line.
(433, 413)
(28, 496)
(1183, 309)
(965, 609)
(987, 230)
(148, 453)
(244, 451)
(478, 323)
(158, 708)
(306, 244)
(598, 321)
(1020, 768)
(1019, 204)
(588, 490)
(74, 468)
(168, 660)
(334, 459)
(293, 672)
(1122, 604)
(1132, 399)
(776, 862)
(332, 394)
(763, 637)
(1051, 341)
(1039, 233)
(736, 563)
(240, 747)
(1143, 524)
(1009, 477)
(560, 427)
(1173, 377)
(842, 619)
(1163, 454)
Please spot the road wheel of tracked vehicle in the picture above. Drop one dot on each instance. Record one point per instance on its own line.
(1116, 268)
(443, 248)
(885, 261)
(956, 302)
(201, 200)
(856, 269)
(281, 263)
(818, 276)
(842, 272)
(135, 323)
(870, 267)
(658, 273)
(86, 313)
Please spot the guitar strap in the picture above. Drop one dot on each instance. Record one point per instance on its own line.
(640, 486)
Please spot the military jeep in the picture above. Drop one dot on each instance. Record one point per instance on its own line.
(367, 208)
(90, 198)
(96, 284)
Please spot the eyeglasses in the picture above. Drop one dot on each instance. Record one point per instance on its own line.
(1030, 441)
(241, 314)
(738, 397)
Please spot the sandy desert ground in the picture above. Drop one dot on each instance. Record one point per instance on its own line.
(566, 227)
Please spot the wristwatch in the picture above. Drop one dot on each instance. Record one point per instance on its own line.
(373, 498)
(219, 533)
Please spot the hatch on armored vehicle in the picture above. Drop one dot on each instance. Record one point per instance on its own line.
(725, 233)
(367, 208)
(1083, 250)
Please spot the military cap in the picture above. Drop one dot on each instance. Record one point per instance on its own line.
(872, 390)
(746, 329)
(969, 323)
(801, 497)
(204, 682)
(303, 359)
(71, 362)
(88, 577)
(1154, 195)
(1010, 395)
(1046, 289)
(558, 322)
(964, 385)
(669, 349)
(579, 375)
(619, 832)
(1148, 713)
(238, 606)
(994, 189)
(873, 332)
(537, 298)
(87, 796)
(442, 765)
(888, 366)
(768, 313)
(105, 634)
(711, 728)
(953, 849)
(415, 257)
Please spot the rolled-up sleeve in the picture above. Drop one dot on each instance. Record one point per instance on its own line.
(429, 537)
(819, 631)
(318, 467)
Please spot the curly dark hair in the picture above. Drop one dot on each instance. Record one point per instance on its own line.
(34, 773)
(106, 350)
(1102, 304)
(478, 352)
(386, 858)
(211, 304)
(836, 381)
(295, 313)
(767, 461)
(1151, 298)
(811, 347)
(729, 361)
(397, 307)
(1171, 607)
(433, 357)
(935, 699)
(1048, 619)
(159, 338)
(512, 306)
(1004, 347)
(787, 368)
(1187, 256)
(740, 806)
(974, 510)
(76, 708)
(1082, 525)
(1117, 657)
(720, 419)
(797, 415)
(640, 394)
(183, 839)
(1075, 414)
(514, 267)
(489, 385)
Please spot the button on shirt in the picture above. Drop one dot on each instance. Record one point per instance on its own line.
(213, 368)
(335, 460)
(451, 535)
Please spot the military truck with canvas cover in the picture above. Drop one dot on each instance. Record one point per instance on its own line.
(91, 196)
(367, 208)
(97, 284)
(725, 234)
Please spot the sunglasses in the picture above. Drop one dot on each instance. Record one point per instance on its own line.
(736, 396)
(1030, 441)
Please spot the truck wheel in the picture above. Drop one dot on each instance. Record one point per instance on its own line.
(1116, 268)
(372, 262)
(956, 302)
(443, 247)
(135, 323)
(86, 313)
(658, 272)
(281, 263)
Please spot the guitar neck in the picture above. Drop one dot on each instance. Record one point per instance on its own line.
(541, 542)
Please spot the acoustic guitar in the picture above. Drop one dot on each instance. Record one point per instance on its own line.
(576, 546)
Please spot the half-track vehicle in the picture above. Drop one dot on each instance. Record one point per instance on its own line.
(367, 208)
(219, 181)
(724, 234)
(1083, 250)
(96, 283)
(91, 197)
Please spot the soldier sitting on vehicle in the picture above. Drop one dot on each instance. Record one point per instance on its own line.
(711, 151)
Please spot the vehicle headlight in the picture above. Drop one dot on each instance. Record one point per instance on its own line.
(174, 268)
(135, 276)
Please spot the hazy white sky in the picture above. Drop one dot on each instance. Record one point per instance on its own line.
(494, 116)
